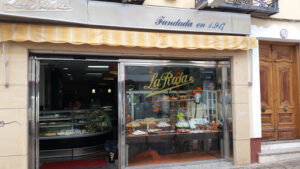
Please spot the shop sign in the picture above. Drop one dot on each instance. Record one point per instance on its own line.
(168, 81)
(169, 19)
(128, 16)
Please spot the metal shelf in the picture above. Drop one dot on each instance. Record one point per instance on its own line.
(54, 126)
(54, 119)
(72, 136)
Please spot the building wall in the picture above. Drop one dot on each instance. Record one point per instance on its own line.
(171, 3)
(13, 108)
(13, 100)
(288, 10)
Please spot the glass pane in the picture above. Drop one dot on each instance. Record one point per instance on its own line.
(173, 114)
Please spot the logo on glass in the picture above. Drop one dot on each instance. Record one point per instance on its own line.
(167, 81)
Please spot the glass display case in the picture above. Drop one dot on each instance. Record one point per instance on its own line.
(73, 123)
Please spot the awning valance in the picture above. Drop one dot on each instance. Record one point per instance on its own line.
(126, 38)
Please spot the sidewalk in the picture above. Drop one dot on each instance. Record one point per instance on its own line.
(291, 164)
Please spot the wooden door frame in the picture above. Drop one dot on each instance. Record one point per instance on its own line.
(296, 56)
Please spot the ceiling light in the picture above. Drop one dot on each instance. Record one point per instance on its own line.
(65, 68)
(94, 74)
(98, 67)
(69, 74)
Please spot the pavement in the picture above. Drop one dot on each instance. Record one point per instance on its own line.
(291, 164)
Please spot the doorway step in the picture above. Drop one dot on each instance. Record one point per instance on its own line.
(274, 151)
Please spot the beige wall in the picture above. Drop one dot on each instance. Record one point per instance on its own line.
(172, 3)
(13, 100)
(13, 107)
(288, 9)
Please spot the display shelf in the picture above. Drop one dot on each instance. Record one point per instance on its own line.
(75, 125)
(58, 125)
(54, 119)
(80, 124)
(73, 136)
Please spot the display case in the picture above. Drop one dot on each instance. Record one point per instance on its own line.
(172, 112)
(73, 133)
(73, 123)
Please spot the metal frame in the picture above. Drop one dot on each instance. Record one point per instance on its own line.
(34, 74)
(33, 109)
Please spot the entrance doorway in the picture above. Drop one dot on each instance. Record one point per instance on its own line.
(76, 113)
(278, 91)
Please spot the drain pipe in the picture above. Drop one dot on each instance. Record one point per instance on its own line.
(4, 65)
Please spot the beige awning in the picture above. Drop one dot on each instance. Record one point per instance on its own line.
(126, 38)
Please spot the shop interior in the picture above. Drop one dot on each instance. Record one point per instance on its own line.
(78, 114)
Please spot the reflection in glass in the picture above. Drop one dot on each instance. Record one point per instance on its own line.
(174, 114)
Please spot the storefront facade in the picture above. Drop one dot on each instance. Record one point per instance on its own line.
(151, 63)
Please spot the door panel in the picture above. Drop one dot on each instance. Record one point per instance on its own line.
(267, 114)
(278, 92)
(282, 53)
(265, 52)
(284, 102)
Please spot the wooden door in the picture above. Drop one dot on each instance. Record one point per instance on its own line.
(277, 81)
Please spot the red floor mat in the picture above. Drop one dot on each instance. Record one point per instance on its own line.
(74, 164)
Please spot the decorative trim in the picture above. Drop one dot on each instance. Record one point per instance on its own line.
(37, 5)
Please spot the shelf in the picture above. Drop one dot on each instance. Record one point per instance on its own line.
(83, 117)
(54, 119)
(175, 100)
(81, 124)
(72, 136)
(54, 126)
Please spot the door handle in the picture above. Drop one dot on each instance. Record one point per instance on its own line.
(263, 109)
(285, 108)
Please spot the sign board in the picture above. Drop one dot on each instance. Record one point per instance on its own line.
(169, 19)
(129, 16)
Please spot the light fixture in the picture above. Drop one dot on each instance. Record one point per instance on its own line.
(65, 68)
(98, 67)
(93, 91)
(69, 74)
(94, 74)
(109, 91)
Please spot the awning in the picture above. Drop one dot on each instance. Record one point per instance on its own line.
(126, 38)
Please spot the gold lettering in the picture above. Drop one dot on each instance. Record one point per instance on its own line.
(167, 81)
(152, 81)
(184, 78)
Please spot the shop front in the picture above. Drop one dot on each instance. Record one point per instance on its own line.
(179, 97)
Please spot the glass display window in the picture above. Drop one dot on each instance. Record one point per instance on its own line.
(176, 113)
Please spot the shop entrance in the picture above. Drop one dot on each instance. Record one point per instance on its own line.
(76, 115)
(157, 111)
(278, 81)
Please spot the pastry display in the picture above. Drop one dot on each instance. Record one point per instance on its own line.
(78, 122)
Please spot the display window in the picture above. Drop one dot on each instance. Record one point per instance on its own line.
(177, 113)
